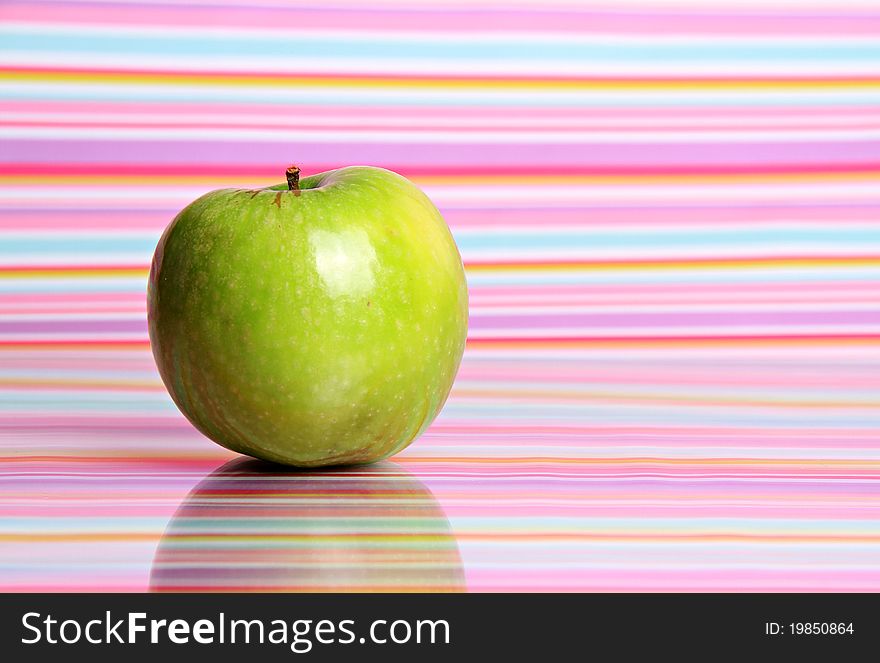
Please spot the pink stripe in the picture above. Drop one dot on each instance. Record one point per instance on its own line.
(581, 169)
(680, 319)
(95, 509)
(458, 130)
(632, 578)
(469, 427)
(485, 113)
(402, 19)
(587, 373)
(540, 302)
(652, 291)
(67, 310)
(433, 153)
(602, 216)
(677, 439)
(691, 510)
(73, 297)
(479, 305)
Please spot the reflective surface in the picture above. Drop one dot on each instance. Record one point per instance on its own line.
(681, 469)
(252, 526)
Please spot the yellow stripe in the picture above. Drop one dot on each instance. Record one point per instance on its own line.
(236, 80)
(37, 273)
(722, 263)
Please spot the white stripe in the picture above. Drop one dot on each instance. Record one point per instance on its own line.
(67, 233)
(36, 260)
(670, 254)
(38, 317)
(827, 307)
(536, 227)
(647, 330)
(730, 250)
(135, 301)
(776, 354)
(489, 313)
(668, 98)
(506, 118)
(439, 36)
(476, 197)
(542, 332)
(379, 136)
(563, 196)
(636, 230)
(816, 299)
(413, 65)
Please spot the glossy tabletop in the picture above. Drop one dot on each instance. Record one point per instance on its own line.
(610, 468)
(670, 223)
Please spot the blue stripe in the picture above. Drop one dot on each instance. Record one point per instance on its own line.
(460, 49)
(143, 245)
(660, 98)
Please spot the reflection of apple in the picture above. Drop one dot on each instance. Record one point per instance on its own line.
(250, 526)
(315, 323)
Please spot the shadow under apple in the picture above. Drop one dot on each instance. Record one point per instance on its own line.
(254, 526)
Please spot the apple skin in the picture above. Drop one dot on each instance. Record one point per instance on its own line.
(251, 527)
(319, 326)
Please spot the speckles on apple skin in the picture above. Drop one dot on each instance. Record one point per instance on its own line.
(349, 369)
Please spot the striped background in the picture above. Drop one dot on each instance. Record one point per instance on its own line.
(670, 218)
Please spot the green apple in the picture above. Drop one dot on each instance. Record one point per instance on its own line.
(249, 527)
(317, 322)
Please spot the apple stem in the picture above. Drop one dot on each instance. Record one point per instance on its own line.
(293, 178)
